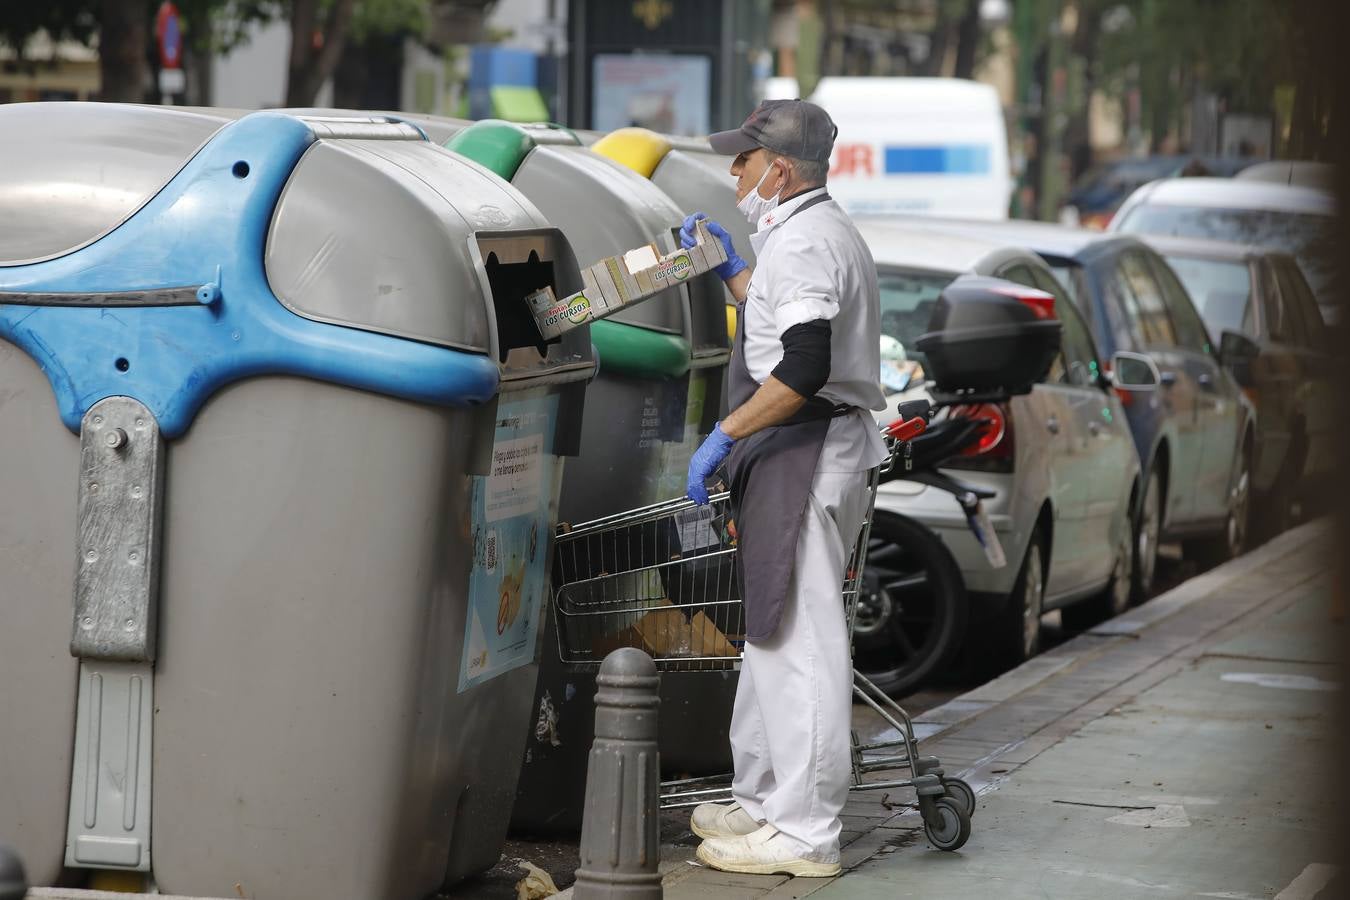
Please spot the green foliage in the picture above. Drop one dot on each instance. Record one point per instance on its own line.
(221, 25)
(215, 25)
(62, 19)
(371, 17)
(1233, 48)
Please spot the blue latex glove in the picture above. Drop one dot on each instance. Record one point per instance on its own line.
(734, 264)
(704, 463)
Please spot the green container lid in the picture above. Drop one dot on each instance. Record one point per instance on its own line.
(639, 352)
(500, 146)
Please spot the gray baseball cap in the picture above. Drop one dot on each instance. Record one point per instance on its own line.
(793, 128)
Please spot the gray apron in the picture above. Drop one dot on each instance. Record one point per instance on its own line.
(770, 476)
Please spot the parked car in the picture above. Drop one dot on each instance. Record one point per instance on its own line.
(1296, 220)
(1059, 459)
(1194, 432)
(1292, 171)
(1100, 190)
(1259, 309)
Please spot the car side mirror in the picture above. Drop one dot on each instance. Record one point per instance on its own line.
(1134, 371)
(1237, 352)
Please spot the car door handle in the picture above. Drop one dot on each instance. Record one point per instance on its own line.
(1167, 379)
(1052, 425)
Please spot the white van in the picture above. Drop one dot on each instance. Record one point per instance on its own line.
(925, 146)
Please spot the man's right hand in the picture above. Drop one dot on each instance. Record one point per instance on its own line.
(734, 264)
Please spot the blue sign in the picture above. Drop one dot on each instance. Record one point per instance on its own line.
(947, 159)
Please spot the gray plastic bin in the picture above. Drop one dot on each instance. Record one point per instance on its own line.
(323, 320)
(657, 395)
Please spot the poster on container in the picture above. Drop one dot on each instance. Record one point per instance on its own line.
(668, 93)
(512, 517)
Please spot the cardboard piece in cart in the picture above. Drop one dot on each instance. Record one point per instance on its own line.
(665, 633)
(618, 281)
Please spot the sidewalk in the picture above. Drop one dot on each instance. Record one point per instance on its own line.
(1178, 750)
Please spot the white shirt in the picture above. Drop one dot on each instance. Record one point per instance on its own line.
(815, 265)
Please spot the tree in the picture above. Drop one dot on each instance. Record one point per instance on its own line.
(968, 34)
(124, 31)
(322, 29)
(123, 41)
(315, 47)
(62, 19)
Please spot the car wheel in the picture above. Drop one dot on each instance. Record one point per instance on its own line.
(1016, 633)
(1147, 533)
(1232, 542)
(1270, 515)
(1118, 596)
(1272, 510)
(911, 610)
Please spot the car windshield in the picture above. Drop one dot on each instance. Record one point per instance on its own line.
(1305, 235)
(1220, 289)
(907, 300)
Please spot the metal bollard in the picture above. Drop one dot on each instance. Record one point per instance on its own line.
(620, 828)
(13, 886)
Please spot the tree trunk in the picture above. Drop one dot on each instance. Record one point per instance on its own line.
(937, 43)
(967, 40)
(1083, 48)
(124, 28)
(312, 65)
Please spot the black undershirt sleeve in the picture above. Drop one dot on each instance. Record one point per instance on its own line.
(805, 366)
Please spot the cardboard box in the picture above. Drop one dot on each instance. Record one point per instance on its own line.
(613, 283)
(666, 633)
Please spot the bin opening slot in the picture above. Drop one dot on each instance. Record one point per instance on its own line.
(510, 284)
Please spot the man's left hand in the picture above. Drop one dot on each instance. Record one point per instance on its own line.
(705, 462)
(734, 264)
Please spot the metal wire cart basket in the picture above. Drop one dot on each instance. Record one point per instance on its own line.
(664, 579)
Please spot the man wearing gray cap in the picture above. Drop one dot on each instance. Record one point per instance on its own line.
(798, 443)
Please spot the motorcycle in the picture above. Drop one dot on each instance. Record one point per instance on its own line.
(911, 611)
(988, 340)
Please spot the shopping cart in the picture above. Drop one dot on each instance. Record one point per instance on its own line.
(663, 578)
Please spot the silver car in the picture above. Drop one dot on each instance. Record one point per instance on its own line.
(1293, 219)
(1061, 463)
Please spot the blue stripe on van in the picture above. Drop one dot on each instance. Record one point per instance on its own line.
(948, 159)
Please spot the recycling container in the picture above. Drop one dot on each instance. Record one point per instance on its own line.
(696, 181)
(691, 174)
(657, 395)
(270, 390)
(695, 705)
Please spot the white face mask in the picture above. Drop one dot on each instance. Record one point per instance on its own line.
(753, 206)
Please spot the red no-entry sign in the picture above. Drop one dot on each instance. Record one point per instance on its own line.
(170, 36)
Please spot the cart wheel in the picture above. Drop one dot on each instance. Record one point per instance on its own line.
(949, 826)
(962, 793)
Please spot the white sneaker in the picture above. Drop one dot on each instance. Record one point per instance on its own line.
(764, 852)
(721, 820)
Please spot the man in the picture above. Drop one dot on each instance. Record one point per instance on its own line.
(798, 442)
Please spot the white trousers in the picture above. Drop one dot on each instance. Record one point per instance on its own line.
(790, 724)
